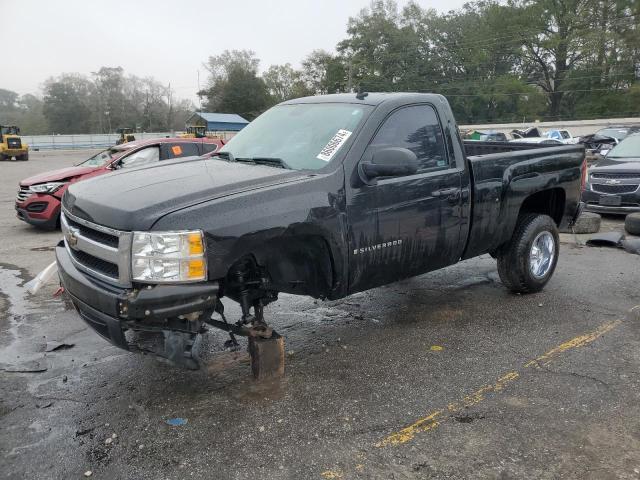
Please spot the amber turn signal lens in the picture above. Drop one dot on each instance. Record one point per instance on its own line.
(196, 269)
(195, 244)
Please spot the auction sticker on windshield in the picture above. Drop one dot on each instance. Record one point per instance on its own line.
(334, 144)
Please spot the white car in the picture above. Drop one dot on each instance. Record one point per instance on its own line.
(563, 136)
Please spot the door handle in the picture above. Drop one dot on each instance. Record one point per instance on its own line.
(446, 192)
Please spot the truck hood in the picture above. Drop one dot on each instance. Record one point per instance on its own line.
(617, 166)
(57, 175)
(135, 199)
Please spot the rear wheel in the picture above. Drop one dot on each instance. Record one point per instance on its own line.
(528, 261)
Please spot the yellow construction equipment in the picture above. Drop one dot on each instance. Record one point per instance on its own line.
(11, 145)
(126, 135)
(195, 132)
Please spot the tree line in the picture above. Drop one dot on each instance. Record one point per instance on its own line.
(100, 103)
(495, 62)
(518, 61)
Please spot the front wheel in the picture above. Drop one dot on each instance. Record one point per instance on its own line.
(528, 261)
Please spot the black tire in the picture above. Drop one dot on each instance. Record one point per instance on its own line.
(587, 222)
(632, 223)
(24, 157)
(514, 257)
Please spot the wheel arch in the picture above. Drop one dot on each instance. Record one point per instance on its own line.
(299, 262)
(549, 202)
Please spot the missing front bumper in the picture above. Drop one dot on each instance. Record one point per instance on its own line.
(163, 320)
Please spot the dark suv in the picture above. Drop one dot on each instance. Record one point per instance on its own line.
(613, 184)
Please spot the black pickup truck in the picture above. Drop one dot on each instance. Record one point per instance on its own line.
(321, 196)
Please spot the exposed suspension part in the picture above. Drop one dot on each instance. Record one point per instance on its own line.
(249, 286)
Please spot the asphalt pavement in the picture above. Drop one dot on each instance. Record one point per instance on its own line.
(446, 375)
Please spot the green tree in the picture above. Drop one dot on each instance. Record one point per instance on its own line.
(557, 38)
(110, 102)
(31, 119)
(284, 83)
(67, 101)
(8, 100)
(234, 85)
(323, 73)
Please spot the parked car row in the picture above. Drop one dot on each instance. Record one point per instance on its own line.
(39, 197)
(613, 183)
(598, 143)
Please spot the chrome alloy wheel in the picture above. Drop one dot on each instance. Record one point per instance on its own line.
(542, 254)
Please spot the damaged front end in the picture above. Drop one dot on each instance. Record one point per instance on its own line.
(163, 320)
(142, 291)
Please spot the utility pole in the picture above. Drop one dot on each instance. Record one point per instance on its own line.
(170, 115)
(148, 109)
(350, 80)
(199, 96)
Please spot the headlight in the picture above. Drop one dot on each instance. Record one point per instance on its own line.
(46, 187)
(171, 257)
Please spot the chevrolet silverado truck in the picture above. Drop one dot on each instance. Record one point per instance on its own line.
(322, 196)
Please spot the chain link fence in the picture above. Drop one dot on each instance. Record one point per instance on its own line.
(71, 142)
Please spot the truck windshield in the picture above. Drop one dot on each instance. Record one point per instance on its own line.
(628, 149)
(300, 136)
(99, 159)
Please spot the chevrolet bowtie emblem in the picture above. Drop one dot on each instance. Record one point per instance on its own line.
(613, 182)
(72, 236)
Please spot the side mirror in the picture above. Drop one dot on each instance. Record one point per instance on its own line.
(388, 162)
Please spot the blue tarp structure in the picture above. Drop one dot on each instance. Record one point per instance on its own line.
(217, 122)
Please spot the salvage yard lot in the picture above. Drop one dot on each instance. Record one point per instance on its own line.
(446, 375)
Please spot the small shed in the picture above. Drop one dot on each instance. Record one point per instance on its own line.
(217, 122)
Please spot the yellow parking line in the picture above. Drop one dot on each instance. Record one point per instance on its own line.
(579, 341)
(331, 475)
(432, 420)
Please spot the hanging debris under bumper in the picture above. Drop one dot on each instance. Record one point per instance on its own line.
(163, 320)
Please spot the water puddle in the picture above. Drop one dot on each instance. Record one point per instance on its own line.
(14, 296)
(19, 348)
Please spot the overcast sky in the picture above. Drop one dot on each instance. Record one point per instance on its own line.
(168, 40)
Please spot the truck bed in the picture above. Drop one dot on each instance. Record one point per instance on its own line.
(504, 174)
(475, 148)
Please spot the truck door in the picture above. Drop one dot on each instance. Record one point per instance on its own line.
(418, 217)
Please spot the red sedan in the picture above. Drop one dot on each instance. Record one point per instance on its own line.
(38, 199)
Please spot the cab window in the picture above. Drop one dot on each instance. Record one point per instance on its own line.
(146, 156)
(416, 128)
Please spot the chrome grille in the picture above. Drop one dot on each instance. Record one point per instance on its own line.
(615, 176)
(614, 189)
(100, 251)
(23, 194)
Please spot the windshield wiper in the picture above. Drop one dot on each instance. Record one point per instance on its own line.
(271, 161)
